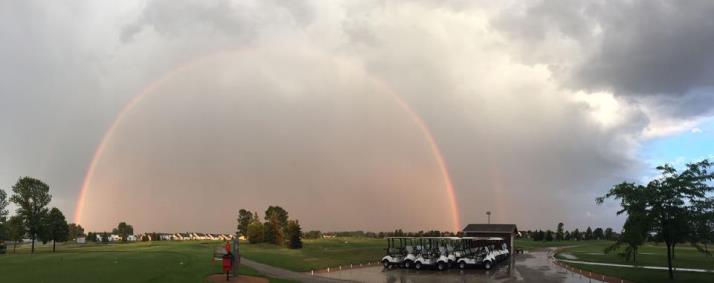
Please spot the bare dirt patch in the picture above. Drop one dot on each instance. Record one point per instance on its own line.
(220, 278)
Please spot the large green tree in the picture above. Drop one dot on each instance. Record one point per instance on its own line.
(75, 231)
(634, 201)
(672, 205)
(559, 235)
(123, 230)
(244, 219)
(276, 223)
(57, 229)
(31, 197)
(256, 232)
(15, 228)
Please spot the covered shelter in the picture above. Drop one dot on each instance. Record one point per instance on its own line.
(506, 231)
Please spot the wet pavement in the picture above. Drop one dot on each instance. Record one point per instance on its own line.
(530, 267)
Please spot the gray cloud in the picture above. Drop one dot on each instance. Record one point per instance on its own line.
(631, 48)
(290, 116)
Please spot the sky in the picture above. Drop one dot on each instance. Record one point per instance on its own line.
(352, 115)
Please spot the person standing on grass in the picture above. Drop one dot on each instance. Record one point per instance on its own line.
(228, 261)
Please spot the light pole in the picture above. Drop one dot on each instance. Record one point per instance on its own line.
(488, 213)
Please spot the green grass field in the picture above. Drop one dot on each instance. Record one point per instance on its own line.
(318, 254)
(136, 262)
(191, 261)
(649, 254)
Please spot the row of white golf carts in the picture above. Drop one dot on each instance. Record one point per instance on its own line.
(442, 253)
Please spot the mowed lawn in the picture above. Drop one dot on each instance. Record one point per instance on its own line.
(649, 255)
(318, 254)
(162, 261)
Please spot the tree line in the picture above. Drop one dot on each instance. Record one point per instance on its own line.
(560, 234)
(276, 229)
(673, 208)
(35, 220)
(32, 218)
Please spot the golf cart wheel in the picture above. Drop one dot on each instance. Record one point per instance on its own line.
(441, 266)
(408, 264)
(417, 265)
(487, 265)
(462, 265)
(385, 263)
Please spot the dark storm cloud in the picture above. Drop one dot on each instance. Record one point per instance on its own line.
(629, 47)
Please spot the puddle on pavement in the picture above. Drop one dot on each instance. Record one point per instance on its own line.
(532, 267)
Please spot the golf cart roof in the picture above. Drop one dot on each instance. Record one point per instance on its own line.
(483, 238)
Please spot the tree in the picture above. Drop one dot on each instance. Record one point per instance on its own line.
(269, 232)
(244, 219)
(3, 215)
(315, 234)
(278, 215)
(75, 231)
(672, 204)
(15, 228)
(633, 199)
(608, 234)
(256, 232)
(588, 234)
(91, 237)
(123, 230)
(576, 234)
(57, 229)
(276, 223)
(559, 233)
(3, 206)
(598, 234)
(567, 236)
(294, 235)
(549, 236)
(32, 197)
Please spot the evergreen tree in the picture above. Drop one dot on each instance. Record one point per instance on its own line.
(294, 235)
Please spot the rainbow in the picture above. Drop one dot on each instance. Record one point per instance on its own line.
(99, 151)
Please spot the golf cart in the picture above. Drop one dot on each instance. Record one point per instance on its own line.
(434, 252)
(398, 248)
(479, 253)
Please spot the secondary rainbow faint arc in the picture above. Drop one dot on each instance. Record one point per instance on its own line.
(456, 219)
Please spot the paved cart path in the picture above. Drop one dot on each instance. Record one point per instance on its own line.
(277, 272)
(638, 266)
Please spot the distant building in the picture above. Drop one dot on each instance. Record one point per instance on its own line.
(81, 240)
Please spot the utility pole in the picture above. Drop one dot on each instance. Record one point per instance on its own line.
(488, 213)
